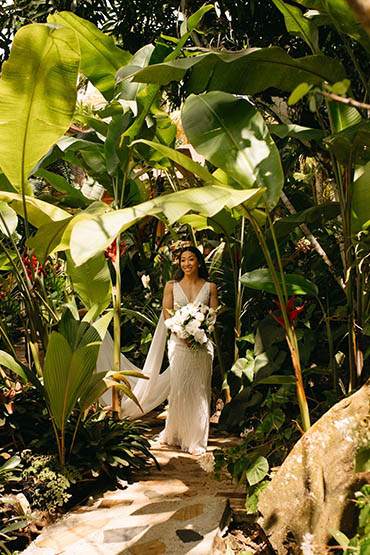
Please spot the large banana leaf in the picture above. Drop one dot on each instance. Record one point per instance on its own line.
(38, 212)
(92, 234)
(37, 97)
(71, 196)
(55, 236)
(183, 161)
(92, 282)
(8, 219)
(100, 57)
(297, 24)
(337, 13)
(247, 72)
(231, 134)
(296, 131)
(352, 145)
(127, 91)
(262, 281)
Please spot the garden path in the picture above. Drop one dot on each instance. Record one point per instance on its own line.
(177, 510)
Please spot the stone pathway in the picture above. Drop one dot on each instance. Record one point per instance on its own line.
(177, 510)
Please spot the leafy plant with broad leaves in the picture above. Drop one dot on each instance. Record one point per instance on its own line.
(68, 382)
(265, 441)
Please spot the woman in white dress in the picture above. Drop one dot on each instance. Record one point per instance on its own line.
(187, 423)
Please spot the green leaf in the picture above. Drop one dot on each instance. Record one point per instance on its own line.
(96, 123)
(67, 372)
(243, 366)
(112, 151)
(297, 24)
(92, 282)
(246, 72)
(337, 13)
(362, 460)
(343, 116)
(8, 219)
(278, 380)
(20, 369)
(72, 195)
(352, 145)
(38, 212)
(96, 387)
(37, 97)
(339, 537)
(257, 471)
(361, 199)
(139, 316)
(128, 90)
(231, 134)
(296, 131)
(49, 238)
(299, 92)
(262, 281)
(251, 502)
(93, 233)
(196, 17)
(56, 237)
(182, 160)
(100, 57)
(5, 184)
(11, 463)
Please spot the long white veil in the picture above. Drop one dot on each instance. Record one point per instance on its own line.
(150, 393)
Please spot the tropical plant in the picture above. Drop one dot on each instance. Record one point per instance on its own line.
(67, 377)
(112, 448)
(112, 156)
(343, 127)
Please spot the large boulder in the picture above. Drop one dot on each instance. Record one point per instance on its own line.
(313, 488)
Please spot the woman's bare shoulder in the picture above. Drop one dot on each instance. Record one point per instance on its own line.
(213, 286)
(169, 285)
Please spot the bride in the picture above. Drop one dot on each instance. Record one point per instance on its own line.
(187, 421)
(187, 381)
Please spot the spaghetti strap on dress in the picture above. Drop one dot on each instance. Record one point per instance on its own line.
(187, 423)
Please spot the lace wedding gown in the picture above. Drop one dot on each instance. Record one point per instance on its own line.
(187, 421)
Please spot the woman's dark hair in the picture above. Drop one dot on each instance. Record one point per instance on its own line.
(203, 272)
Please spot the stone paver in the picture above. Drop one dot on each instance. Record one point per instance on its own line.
(173, 511)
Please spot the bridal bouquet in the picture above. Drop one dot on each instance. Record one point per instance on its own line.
(193, 322)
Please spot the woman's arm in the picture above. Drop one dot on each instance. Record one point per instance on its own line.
(213, 300)
(167, 299)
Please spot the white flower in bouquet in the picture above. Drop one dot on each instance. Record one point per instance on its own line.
(192, 327)
(199, 316)
(193, 322)
(200, 337)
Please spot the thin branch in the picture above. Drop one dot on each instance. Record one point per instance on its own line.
(314, 242)
(343, 100)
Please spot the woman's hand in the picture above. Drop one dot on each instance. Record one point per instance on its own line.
(185, 340)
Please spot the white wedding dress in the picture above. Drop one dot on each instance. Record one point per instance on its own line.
(150, 392)
(186, 382)
(187, 423)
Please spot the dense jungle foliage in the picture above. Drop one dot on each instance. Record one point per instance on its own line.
(95, 201)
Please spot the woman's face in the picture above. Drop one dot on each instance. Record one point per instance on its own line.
(189, 263)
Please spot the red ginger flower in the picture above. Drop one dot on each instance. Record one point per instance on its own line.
(292, 314)
(111, 251)
(38, 270)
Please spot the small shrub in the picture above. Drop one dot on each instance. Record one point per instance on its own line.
(111, 448)
(45, 483)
